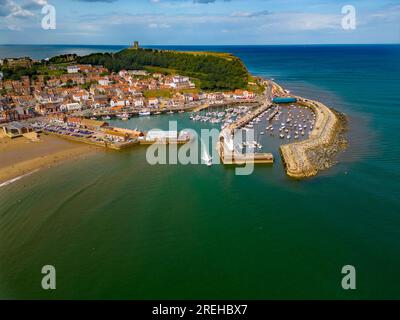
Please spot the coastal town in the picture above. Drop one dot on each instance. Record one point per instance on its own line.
(78, 101)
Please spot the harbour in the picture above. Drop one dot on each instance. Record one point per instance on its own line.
(102, 208)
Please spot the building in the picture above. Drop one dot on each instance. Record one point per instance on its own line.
(16, 129)
(71, 107)
(72, 69)
(94, 124)
(136, 45)
(284, 100)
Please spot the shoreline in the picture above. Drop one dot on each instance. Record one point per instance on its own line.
(19, 157)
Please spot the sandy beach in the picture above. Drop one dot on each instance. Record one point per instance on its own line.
(20, 156)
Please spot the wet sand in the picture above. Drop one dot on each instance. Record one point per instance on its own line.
(20, 156)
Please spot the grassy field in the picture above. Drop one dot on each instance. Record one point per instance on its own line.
(163, 93)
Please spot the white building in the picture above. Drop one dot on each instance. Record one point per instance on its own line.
(104, 82)
(138, 103)
(71, 107)
(156, 134)
(72, 69)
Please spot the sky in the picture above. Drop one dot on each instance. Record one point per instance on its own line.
(190, 22)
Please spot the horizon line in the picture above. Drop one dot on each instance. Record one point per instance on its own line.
(199, 45)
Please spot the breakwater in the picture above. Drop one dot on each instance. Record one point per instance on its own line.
(304, 159)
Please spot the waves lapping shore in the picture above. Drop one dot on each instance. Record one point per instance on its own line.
(4, 184)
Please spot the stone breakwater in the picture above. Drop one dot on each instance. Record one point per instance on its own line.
(304, 159)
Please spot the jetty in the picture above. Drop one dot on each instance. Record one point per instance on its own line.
(296, 156)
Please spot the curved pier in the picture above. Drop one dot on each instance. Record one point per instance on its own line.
(296, 156)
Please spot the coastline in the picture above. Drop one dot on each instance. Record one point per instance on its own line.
(20, 157)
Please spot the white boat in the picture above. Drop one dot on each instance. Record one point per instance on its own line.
(144, 113)
(107, 118)
(207, 159)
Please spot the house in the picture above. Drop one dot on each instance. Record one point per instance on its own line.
(104, 81)
(47, 108)
(116, 102)
(75, 106)
(80, 96)
(72, 69)
(138, 103)
(243, 94)
(179, 82)
(153, 102)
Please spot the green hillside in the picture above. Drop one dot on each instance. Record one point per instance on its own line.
(214, 71)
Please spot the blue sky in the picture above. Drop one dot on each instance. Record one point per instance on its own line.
(155, 22)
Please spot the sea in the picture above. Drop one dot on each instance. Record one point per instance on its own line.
(116, 227)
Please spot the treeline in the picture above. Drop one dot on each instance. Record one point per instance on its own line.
(214, 72)
(17, 72)
(65, 58)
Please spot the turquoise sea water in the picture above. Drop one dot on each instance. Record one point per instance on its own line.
(116, 227)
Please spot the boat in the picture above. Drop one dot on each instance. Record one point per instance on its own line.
(207, 159)
(181, 111)
(107, 118)
(144, 113)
